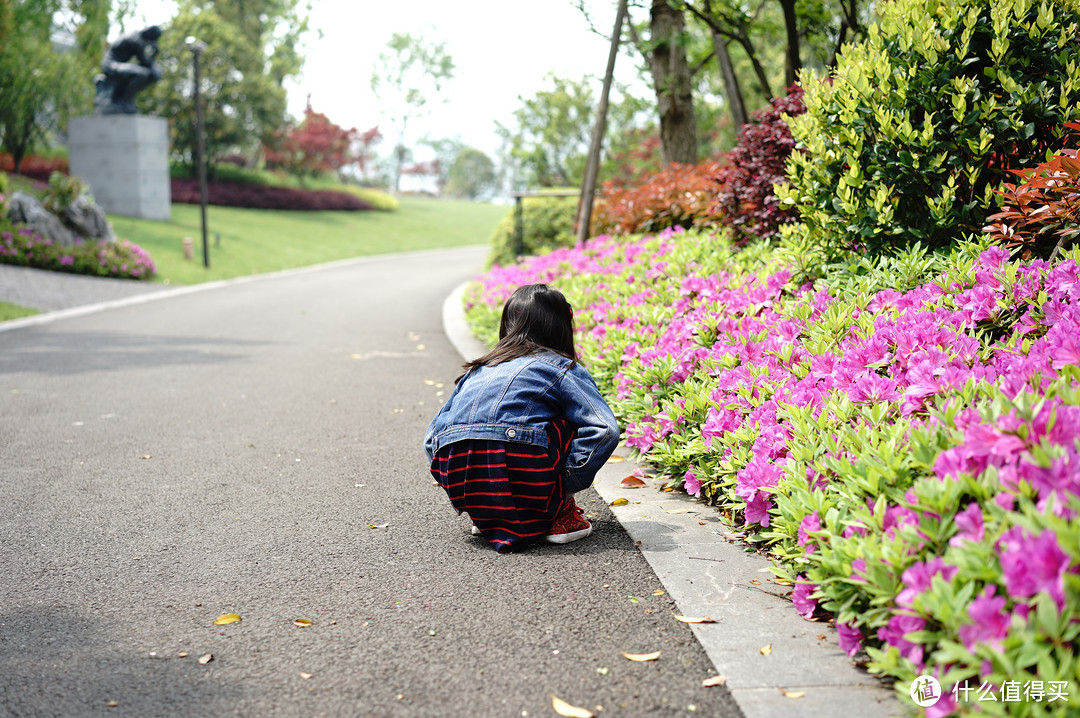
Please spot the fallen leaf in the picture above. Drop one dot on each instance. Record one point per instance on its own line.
(667, 488)
(147, 456)
(658, 592)
(305, 676)
(112, 704)
(302, 622)
(693, 619)
(755, 582)
(793, 694)
(632, 482)
(420, 347)
(203, 660)
(821, 636)
(616, 459)
(641, 657)
(714, 681)
(700, 523)
(766, 650)
(429, 382)
(619, 502)
(680, 511)
(778, 582)
(379, 526)
(565, 709)
(603, 670)
(227, 619)
(182, 654)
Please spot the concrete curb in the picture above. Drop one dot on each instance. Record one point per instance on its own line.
(707, 571)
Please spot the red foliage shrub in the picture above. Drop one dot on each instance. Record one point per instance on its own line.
(1041, 215)
(34, 167)
(255, 196)
(680, 195)
(745, 200)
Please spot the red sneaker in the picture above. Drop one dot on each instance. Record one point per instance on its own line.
(570, 524)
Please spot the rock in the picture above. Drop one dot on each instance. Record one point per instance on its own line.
(81, 219)
(24, 208)
(87, 219)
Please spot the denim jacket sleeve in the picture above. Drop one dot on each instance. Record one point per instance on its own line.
(597, 429)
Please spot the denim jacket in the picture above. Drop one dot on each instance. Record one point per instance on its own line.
(515, 400)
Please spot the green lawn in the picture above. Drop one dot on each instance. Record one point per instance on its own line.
(258, 241)
(14, 311)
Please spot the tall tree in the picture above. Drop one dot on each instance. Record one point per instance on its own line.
(665, 54)
(472, 175)
(41, 84)
(408, 75)
(247, 58)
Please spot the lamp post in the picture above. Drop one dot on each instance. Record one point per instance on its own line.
(197, 48)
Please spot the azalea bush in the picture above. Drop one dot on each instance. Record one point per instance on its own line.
(901, 437)
(122, 259)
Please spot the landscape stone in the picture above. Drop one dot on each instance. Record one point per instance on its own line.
(80, 220)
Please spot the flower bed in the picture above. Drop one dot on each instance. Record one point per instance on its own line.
(905, 449)
(121, 259)
(260, 196)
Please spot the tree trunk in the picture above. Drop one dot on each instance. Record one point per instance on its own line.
(732, 92)
(792, 63)
(671, 79)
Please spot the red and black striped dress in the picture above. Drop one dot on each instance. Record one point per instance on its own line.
(511, 491)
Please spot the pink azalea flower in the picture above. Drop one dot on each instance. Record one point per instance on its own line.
(693, 484)
(990, 624)
(899, 626)
(810, 522)
(917, 579)
(1032, 564)
(850, 638)
(804, 604)
(970, 525)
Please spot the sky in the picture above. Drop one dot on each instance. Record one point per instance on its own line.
(502, 50)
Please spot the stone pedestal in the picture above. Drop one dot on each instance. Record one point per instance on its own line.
(125, 161)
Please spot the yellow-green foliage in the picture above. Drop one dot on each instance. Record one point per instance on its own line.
(376, 198)
(922, 121)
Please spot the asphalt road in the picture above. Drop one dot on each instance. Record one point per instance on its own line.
(255, 449)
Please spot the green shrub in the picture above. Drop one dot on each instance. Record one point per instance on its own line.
(63, 190)
(376, 198)
(921, 122)
(547, 223)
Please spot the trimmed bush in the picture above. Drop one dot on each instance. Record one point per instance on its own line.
(547, 223)
(746, 199)
(121, 259)
(255, 196)
(919, 123)
(679, 196)
(35, 166)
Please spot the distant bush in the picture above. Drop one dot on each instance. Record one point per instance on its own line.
(746, 200)
(679, 196)
(254, 196)
(376, 198)
(547, 223)
(35, 166)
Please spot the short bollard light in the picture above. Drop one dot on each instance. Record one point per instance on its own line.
(189, 248)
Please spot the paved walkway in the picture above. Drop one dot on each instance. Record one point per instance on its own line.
(165, 410)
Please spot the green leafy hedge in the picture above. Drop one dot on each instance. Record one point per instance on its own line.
(918, 124)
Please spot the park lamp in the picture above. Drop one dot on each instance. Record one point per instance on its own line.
(197, 48)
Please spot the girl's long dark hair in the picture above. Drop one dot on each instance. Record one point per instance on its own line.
(535, 318)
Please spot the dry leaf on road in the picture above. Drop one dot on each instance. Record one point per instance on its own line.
(793, 694)
(632, 482)
(714, 681)
(766, 650)
(379, 526)
(619, 502)
(615, 459)
(227, 618)
(693, 619)
(302, 622)
(565, 709)
(206, 658)
(641, 657)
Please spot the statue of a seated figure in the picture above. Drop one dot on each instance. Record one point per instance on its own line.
(127, 68)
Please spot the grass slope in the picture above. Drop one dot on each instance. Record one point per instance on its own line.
(14, 311)
(258, 241)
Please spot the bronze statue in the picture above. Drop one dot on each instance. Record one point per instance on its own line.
(122, 79)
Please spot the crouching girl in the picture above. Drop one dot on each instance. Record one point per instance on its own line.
(524, 429)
